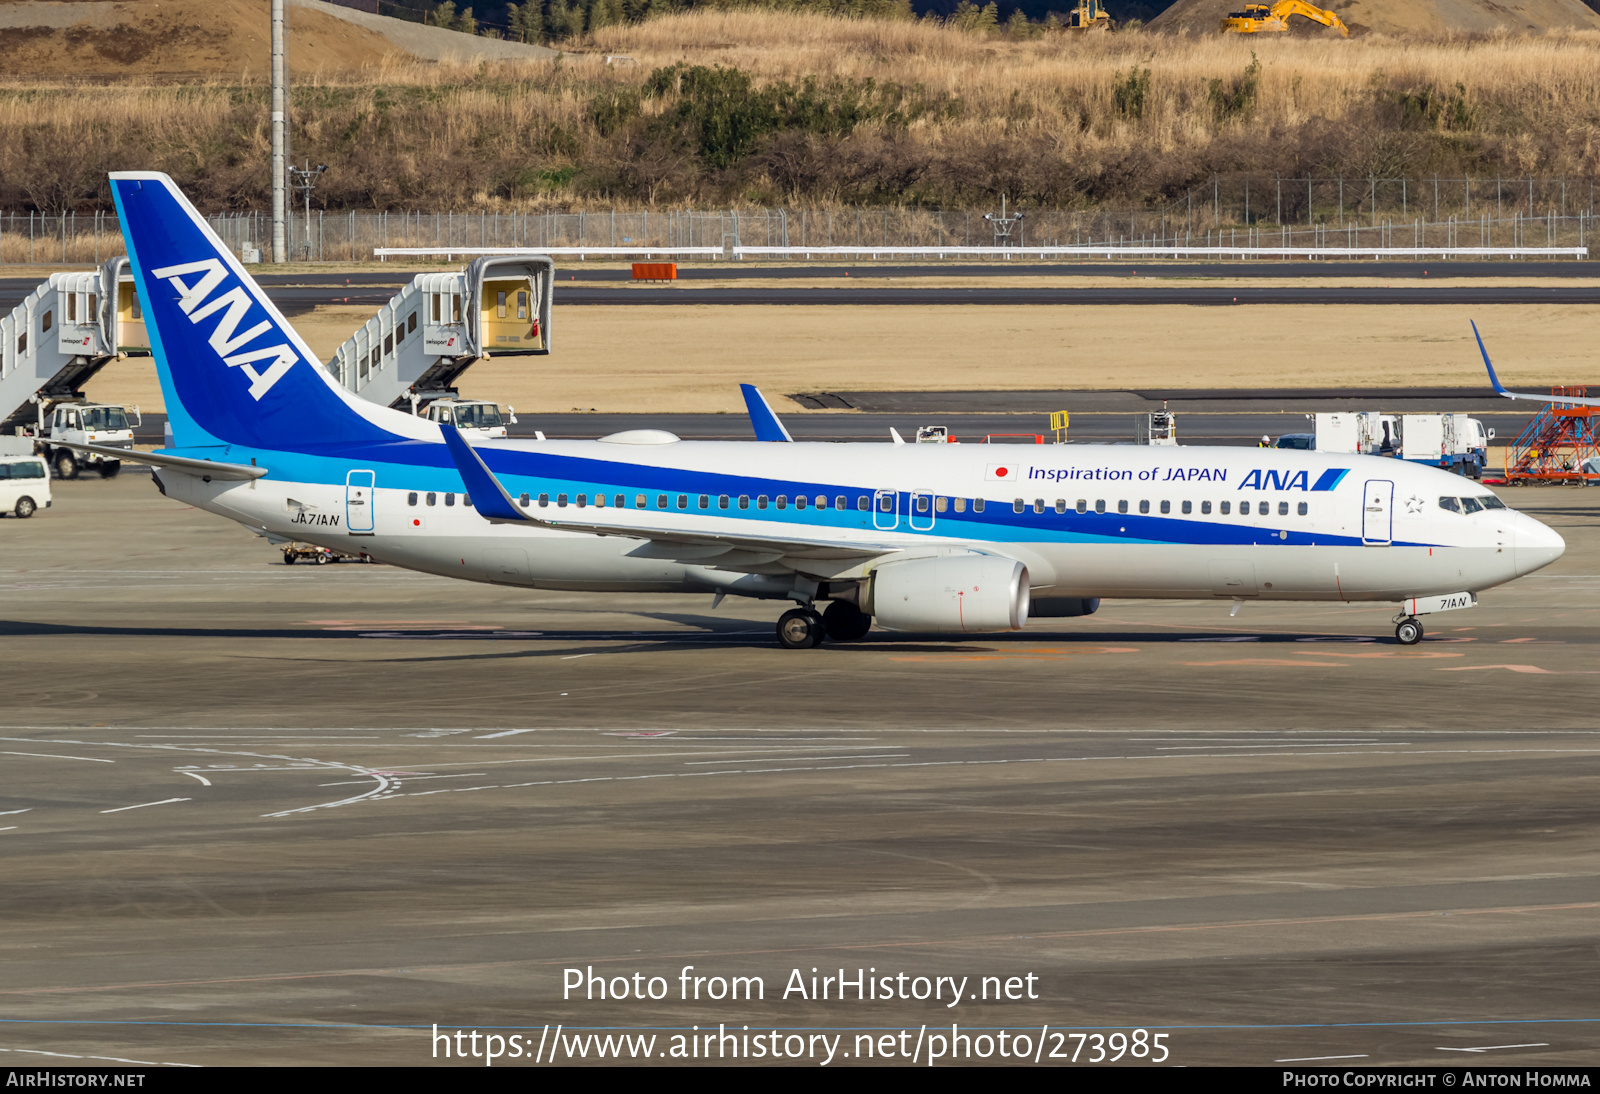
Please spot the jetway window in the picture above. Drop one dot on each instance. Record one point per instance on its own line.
(433, 499)
(544, 501)
(455, 307)
(411, 323)
(722, 501)
(1223, 507)
(1018, 506)
(661, 501)
(1188, 507)
(761, 501)
(522, 305)
(433, 299)
(561, 501)
(388, 344)
(683, 501)
(744, 501)
(1122, 507)
(500, 306)
(137, 312)
(1304, 508)
(1100, 505)
(1166, 507)
(1205, 507)
(94, 306)
(1144, 505)
(841, 502)
(411, 498)
(44, 324)
(72, 307)
(1283, 508)
(449, 499)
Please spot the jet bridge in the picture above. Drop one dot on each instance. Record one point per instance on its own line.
(420, 342)
(68, 329)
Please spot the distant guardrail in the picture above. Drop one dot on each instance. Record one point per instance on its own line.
(739, 253)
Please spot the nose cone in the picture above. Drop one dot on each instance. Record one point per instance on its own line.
(1537, 545)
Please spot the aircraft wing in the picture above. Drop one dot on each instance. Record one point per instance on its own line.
(734, 550)
(1499, 388)
(204, 468)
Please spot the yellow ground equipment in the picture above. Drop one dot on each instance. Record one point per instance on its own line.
(1088, 15)
(1261, 19)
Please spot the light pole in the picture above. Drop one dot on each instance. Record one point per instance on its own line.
(280, 135)
(305, 181)
(1004, 225)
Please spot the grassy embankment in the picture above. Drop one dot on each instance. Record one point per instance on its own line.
(825, 111)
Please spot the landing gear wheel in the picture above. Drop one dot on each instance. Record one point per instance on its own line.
(1408, 632)
(25, 508)
(66, 466)
(109, 469)
(845, 622)
(799, 629)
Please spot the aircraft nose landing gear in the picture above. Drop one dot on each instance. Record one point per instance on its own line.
(1408, 632)
(800, 629)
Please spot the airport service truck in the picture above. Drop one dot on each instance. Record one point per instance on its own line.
(477, 419)
(83, 423)
(1452, 441)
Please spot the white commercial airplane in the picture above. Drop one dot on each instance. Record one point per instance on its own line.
(920, 538)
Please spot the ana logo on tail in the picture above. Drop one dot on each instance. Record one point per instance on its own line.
(234, 305)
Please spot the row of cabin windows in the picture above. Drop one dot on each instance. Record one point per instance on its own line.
(1262, 508)
(431, 498)
(863, 503)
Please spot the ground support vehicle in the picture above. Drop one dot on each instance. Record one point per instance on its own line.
(24, 484)
(1262, 19)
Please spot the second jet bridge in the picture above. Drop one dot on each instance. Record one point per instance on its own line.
(420, 342)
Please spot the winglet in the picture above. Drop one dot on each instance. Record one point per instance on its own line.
(488, 496)
(766, 423)
(1493, 379)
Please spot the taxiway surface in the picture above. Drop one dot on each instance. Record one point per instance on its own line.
(257, 813)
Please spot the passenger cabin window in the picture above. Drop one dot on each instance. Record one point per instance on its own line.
(1188, 507)
(582, 499)
(961, 505)
(1205, 507)
(544, 501)
(1283, 508)
(1244, 509)
(744, 501)
(433, 499)
(683, 501)
(782, 501)
(1304, 508)
(863, 503)
(411, 498)
(641, 502)
(799, 501)
(1144, 505)
(561, 501)
(450, 499)
(620, 501)
(661, 501)
(1038, 505)
(977, 505)
(705, 501)
(1018, 505)
(939, 505)
(1100, 505)
(524, 501)
(1061, 505)
(886, 503)
(1122, 507)
(1083, 505)
(722, 501)
(761, 501)
(599, 501)
(1223, 508)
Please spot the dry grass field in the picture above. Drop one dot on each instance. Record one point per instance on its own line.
(692, 359)
(833, 111)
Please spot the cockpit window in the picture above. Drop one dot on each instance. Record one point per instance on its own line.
(1489, 501)
(1470, 505)
(1451, 504)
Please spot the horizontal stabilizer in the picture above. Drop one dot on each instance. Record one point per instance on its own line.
(230, 472)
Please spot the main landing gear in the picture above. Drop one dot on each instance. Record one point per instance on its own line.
(1408, 632)
(805, 628)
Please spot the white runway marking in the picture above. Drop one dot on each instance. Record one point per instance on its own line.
(10, 828)
(113, 1059)
(52, 756)
(11, 812)
(1311, 1059)
(202, 778)
(145, 805)
(1491, 1048)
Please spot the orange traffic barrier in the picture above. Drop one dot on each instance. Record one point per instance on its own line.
(655, 271)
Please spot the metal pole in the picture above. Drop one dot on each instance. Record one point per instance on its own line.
(280, 134)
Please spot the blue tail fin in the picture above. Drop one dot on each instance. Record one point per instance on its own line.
(232, 368)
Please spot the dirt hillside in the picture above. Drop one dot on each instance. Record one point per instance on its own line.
(102, 39)
(1399, 16)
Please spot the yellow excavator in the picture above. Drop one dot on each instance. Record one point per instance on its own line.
(1261, 19)
(1088, 15)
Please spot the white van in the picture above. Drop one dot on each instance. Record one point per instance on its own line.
(24, 485)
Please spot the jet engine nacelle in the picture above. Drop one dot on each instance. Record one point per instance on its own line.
(959, 593)
(1063, 607)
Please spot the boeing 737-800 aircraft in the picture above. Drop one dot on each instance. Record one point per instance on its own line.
(923, 538)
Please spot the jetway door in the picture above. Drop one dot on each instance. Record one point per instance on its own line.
(1377, 513)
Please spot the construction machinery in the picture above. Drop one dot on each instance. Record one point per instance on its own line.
(1262, 19)
(1088, 15)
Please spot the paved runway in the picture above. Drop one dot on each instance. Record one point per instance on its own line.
(256, 813)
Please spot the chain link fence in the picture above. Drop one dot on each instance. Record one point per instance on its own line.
(1231, 211)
